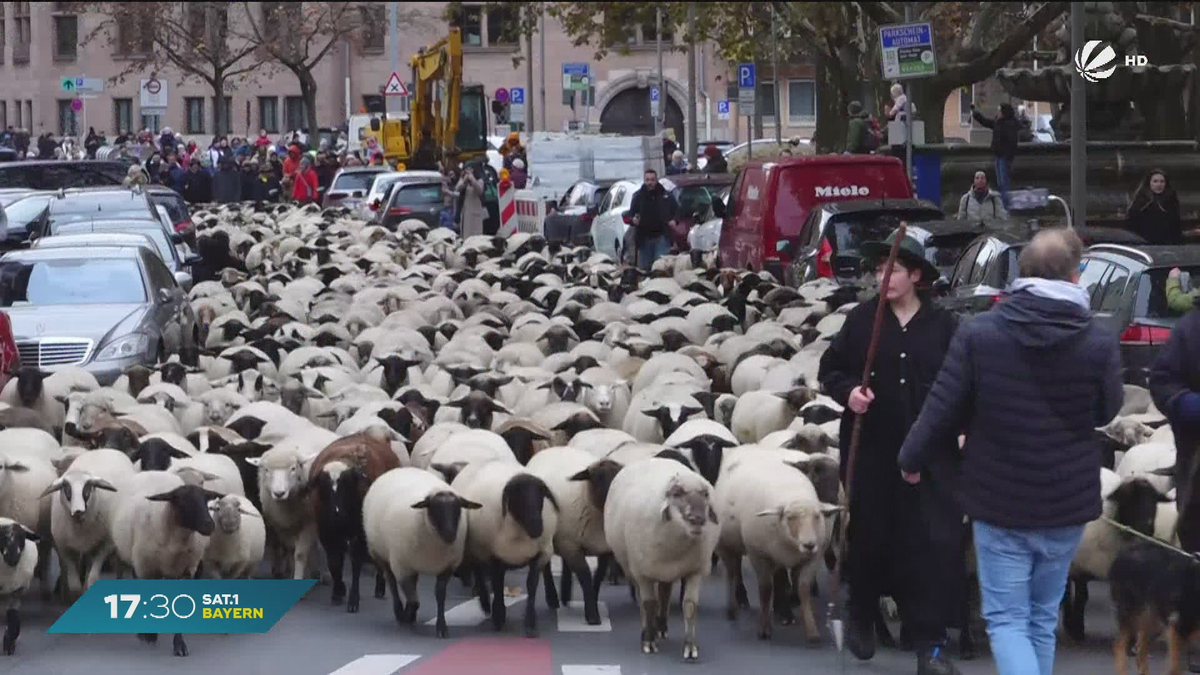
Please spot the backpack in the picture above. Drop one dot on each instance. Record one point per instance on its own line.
(871, 135)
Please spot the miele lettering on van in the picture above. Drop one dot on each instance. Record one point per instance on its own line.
(847, 191)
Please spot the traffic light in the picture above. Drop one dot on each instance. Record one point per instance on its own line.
(500, 112)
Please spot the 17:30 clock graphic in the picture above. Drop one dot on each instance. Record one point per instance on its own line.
(181, 606)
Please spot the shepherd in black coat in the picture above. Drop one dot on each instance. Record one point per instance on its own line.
(904, 540)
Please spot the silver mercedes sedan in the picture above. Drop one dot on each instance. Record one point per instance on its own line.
(101, 308)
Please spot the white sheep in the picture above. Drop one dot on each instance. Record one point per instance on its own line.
(81, 513)
(1144, 459)
(660, 523)
(212, 471)
(18, 564)
(773, 515)
(758, 413)
(414, 525)
(238, 541)
(600, 442)
(282, 476)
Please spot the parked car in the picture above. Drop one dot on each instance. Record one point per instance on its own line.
(163, 242)
(418, 197)
(172, 201)
(572, 219)
(351, 185)
(833, 231)
(769, 206)
(69, 206)
(22, 215)
(707, 235)
(612, 219)
(1128, 289)
(101, 308)
(54, 174)
(381, 190)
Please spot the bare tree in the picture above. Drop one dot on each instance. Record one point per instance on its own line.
(191, 38)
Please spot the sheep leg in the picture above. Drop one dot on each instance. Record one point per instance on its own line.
(12, 628)
(358, 554)
(564, 583)
(499, 611)
(811, 632)
(664, 608)
(602, 565)
(782, 596)
(591, 609)
(397, 603)
(179, 647)
(531, 588)
(380, 588)
(439, 593)
(70, 564)
(551, 592)
(1073, 620)
(42, 571)
(335, 554)
(733, 574)
(691, 596)
(766, 595)
(409, 585)
(481, 590)
(304, 544)
(648, 595)
(1176, 648)
(1143, 651)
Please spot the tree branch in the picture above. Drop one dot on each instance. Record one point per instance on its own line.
(960, 74)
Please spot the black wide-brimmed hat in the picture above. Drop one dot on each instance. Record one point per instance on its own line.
(911, 254)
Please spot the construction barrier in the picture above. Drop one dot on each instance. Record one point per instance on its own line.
(530, 211)
(508, 209)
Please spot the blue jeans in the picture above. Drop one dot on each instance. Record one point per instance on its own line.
(1003, 167)
(651, 249)
(1022, 575)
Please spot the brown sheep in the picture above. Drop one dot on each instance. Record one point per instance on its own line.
(338, 482)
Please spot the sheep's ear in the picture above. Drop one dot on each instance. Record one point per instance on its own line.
(249, 512)
(830, 509)
(776, 512)
(29, 534)
(179, 454)
(666, 513)
(60, 398)
(212, 494)
(54, 487)
(101, 484)
(455, 404)
(712, 515)
(161, 497)
(207, 476)
(468, 504)
(253, 461)
(423, 504)
(689, 410)
(544, 385)
(1164, 471)
(582, 475)
(500, 408)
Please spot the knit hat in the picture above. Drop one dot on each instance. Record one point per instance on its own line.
(855, 108)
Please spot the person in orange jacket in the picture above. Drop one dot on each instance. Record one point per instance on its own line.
(305, 183)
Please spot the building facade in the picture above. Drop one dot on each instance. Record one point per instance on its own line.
(41, 48)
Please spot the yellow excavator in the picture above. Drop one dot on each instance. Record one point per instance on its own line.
(447, 120)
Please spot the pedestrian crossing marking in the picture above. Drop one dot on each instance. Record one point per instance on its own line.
(591, 670)
(556, 565)
(376, 664)
(468, 613)
(570, 619)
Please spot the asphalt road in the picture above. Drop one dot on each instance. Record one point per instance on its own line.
(316, 638)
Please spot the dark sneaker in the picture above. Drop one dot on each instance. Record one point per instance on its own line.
(934, 662)
(860, 639)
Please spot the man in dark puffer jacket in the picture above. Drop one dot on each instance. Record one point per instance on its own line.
(1028, 382)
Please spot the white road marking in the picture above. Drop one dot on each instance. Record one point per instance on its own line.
(556, 565)
(570, 619)
(468, 613)
(591, 670)
(376, 664)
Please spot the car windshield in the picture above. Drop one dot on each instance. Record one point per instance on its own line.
(1151, 300)
(943, 250)
(99, 202)
(21, 212)
(174, 204)
(156, 234)
(418, 195)
(695, 199)
(71, 282)
(57, 220)
(854, 229)
(356, 181)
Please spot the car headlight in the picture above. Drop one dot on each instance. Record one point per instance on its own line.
(125, 347)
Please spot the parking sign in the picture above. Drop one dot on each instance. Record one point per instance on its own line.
(723, 110)
(516, 95)
(746, 76)
(746, 91)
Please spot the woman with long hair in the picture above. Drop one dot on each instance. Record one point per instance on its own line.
(1154, 212)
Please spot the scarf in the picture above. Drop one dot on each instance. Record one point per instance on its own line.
(1052, 289)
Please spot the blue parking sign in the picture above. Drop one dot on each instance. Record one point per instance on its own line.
(746, 75)
(654, 94)
(516, 96)
(723, 107)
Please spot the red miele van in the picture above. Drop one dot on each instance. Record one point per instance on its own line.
(770, 200)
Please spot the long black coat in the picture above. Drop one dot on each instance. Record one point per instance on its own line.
(886, 513)
(1176, 372)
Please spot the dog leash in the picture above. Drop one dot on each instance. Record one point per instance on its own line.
(1129, 530)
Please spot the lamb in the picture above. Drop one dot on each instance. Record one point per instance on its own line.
(580, 485)
(238, 541)
(759, 413)
(774, 516)
(282, 476)
(660, 523)
(18, 562)
(81, 516)
(414, 525)
(515, 527)
(338, 481)
(160, 528)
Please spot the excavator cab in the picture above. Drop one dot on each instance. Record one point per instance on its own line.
(472, 136)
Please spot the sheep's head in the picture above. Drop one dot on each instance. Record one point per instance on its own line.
(228, 511)
(174, 373)
(220, 405)
(672, 415)
(156, 454)
(284, 476)
(599, 477)
(601, 397)
(824, 473)
(811, 439)
(559, 338)
(339, 488)
(75, 490)
(797, 398)
(818, 413)
(139, 379)
(477, 409)
(190, 504)
(802, 522)
(524, 497)
(13, 536)
(567, 389)
(707, 452)
(395, 371)
(443, 510)
(29, 384)
(488, 383)
(523, 439)
(1136, 502)
(690, 506)
(579, 422)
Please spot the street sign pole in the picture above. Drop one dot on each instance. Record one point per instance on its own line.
(907, 53)
(908, 111)
(746, 101)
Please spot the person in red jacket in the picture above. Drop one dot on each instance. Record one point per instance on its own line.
(305, 184)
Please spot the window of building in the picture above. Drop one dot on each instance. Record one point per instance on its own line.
(802, 102)
(225, 126)
(268, 114)
(17, 114)
(196, 20)
(295, 113)
(151, 121)
(195, 114)
(503, 26)
(135, 33)
(3, 31)
(29, 115)
(66, 118)
(469, 19)
(123, 115)
(966, 96)
(374, 25)
(4, 115)
(66, 37)
(650, 31)
(766, 99)
(271, 16)
(22, 23)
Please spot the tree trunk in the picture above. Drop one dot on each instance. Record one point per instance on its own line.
(308, 91)
(837, 80)
(218, 87)
(930, 100)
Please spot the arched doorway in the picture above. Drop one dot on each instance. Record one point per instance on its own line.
(628, 113)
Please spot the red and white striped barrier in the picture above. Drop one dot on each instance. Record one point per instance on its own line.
(508, 208)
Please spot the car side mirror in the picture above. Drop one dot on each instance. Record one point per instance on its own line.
(184, 279)
(718, 208)
(176, 238)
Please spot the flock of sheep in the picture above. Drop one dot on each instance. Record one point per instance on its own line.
(460, 409)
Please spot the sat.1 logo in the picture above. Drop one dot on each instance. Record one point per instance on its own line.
(1096, 60)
